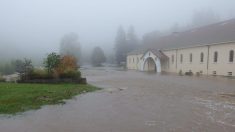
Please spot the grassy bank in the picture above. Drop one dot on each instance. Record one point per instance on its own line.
(22, 97)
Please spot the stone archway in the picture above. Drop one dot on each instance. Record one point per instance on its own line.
(150, 65)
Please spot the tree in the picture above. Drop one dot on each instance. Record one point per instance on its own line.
(51, 62)
(27, 66)
(19, 66)
(132, 40)
(67, 63)
(98, 56)
(70, 46)
(120, 45)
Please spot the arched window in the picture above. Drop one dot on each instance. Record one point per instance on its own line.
(172, 59)
(215, 56)
(202, 57)
(191, 57)
(231, 55)
(181, 58)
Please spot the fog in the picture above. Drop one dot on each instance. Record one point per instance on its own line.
(30, 28)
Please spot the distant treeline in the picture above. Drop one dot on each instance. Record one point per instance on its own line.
(8, 67)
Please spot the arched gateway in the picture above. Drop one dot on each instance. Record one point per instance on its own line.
(150, 65)
(151, 61)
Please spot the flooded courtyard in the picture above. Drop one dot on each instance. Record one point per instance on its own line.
(137, 102)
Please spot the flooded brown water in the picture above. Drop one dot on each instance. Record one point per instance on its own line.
(137, 102)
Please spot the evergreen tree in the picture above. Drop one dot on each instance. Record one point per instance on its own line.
(98, 56)
(132, 40)
(120, 45)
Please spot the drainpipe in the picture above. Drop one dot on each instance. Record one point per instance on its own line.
(176, 59)
(208, 50)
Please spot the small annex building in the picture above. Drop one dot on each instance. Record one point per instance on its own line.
(207, 50)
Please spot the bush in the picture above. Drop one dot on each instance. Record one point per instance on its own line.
(189, 73)
(2, 79)
(51, 62)
(66, 63)
(71, 74)
(40, 74)
(180, 73)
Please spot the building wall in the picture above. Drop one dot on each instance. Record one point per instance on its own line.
(194, 64)
(222, 66)
(134, 61)
(171, 65)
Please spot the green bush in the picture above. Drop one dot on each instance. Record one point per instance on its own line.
(70, 74)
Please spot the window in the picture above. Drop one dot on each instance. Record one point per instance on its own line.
(172, 59)
(231, 55)
(230, 73)
(215, 56)
(202, 57)
(181, 58)
(133, 60)
(137, 59)
(191, 58)
(214, 72)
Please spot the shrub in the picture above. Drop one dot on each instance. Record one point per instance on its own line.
(72, 74)
(180, 73)
(40, 74)
(66, 63)
(189, 73)
(2, 79)
(198, 73)
(51, 62)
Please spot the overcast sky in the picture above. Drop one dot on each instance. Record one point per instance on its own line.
(36, 26)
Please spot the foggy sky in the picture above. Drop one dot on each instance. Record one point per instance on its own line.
(36, 26)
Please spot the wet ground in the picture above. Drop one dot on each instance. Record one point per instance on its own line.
(137, 102)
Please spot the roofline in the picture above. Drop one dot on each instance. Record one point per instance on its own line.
(141, 51)
(199, 45)
(146, 52)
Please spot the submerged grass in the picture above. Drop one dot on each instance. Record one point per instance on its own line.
(16, 98)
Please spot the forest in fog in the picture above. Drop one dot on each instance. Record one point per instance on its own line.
(110, 29)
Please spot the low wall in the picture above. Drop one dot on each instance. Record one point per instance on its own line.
(55, 81)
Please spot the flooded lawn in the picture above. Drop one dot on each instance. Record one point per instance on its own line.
(137, 102)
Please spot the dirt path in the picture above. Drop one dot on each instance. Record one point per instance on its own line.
(137, 102)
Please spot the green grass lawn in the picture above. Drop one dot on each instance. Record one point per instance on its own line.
(22, 97)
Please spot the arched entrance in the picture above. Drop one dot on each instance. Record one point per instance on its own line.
(150, 65)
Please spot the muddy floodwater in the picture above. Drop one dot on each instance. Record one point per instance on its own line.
(137, 102)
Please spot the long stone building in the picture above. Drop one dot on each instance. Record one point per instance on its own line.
(206, 50)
